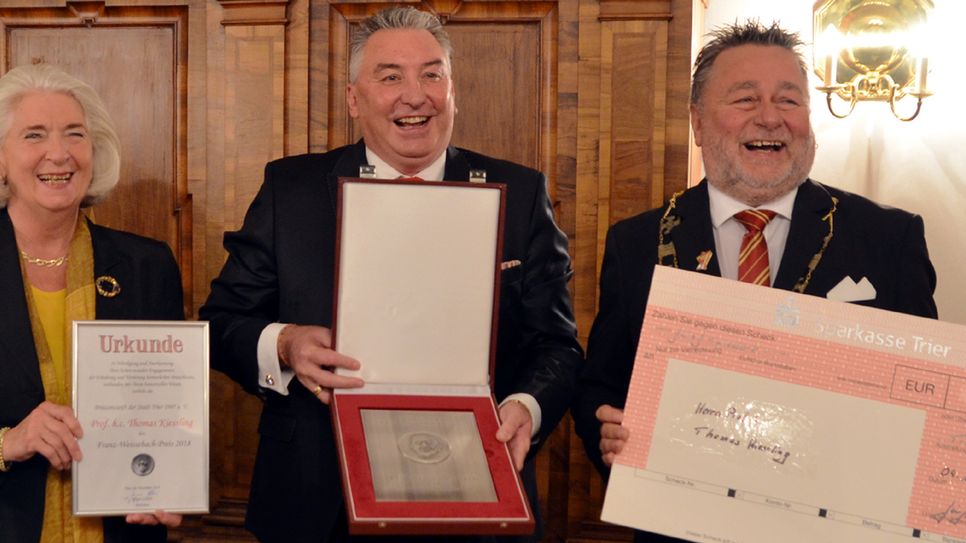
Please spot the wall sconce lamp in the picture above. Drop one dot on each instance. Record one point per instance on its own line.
(872, 50)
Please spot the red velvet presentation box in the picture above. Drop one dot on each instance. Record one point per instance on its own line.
(417, 288)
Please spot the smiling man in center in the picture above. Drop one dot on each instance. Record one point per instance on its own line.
(270, 308)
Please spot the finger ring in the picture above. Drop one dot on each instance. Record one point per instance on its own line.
(317, 390)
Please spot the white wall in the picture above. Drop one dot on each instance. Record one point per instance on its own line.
(920, 165)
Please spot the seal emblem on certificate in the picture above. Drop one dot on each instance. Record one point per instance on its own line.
(142, 465)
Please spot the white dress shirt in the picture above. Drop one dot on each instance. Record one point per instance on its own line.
(728, 231)
(433, 172)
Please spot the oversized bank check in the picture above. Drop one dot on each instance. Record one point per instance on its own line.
(759, 415)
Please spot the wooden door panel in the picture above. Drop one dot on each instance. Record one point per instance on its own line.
(497, 79)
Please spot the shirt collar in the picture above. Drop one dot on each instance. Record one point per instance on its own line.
(723, 207)
(433, 172)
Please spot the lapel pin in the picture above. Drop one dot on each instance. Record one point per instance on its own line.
(704, 259)
(107, 286)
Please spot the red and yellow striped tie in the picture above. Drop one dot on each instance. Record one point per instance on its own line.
(753, 258)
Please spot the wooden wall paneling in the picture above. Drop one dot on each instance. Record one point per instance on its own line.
(560, 447)
(341, 19)
(631, 156)
(695, 164)
(589, 201)
(195, 111)
(135, 57)
(254, 102)
(479, 71)
(257, 102)
(632, 130)
(322, 34)
(297, 51)
(226, 485)
(677, 131)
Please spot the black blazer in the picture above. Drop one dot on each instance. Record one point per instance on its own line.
(886, 245)
(150, 285)
(280, 269)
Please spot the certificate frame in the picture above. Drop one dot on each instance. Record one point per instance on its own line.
(409, 252)
(140, 393)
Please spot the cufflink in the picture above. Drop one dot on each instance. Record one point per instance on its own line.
(269, 380)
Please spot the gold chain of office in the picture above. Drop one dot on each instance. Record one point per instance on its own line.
(667, 255)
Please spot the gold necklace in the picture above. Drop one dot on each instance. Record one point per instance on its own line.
(44, 262)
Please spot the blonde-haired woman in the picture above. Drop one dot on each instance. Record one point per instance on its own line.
(59, 152)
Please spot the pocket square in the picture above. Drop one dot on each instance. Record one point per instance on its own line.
(509, 264)
(849, 291)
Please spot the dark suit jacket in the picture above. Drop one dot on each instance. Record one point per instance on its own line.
(886, 245)
(150, 289)
(280, 269)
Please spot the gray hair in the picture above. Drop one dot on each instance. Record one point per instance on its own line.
(729, 36)
(106, 145)
(395, 18)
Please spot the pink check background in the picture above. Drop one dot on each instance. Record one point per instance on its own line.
(736, 318)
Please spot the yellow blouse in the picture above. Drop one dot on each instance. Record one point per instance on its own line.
(60, 526)
(50, 308)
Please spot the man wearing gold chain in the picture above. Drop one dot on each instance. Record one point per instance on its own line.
(757, 217)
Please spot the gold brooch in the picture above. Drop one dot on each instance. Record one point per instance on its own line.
(107, 286)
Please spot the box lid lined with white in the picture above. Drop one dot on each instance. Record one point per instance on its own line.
(417, 282)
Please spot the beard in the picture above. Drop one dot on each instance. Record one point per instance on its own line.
(725, 171)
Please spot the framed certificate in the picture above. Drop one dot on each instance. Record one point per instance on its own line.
(141, 395)
(417, 288)
(760, 415)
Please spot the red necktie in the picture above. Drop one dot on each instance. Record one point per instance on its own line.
(409, 178)
(753, 258)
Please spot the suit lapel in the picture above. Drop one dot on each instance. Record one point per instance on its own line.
(812, 203)
(694, 236)
(346, 166)
(108, 262)
(457, 168)
(17, 353)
